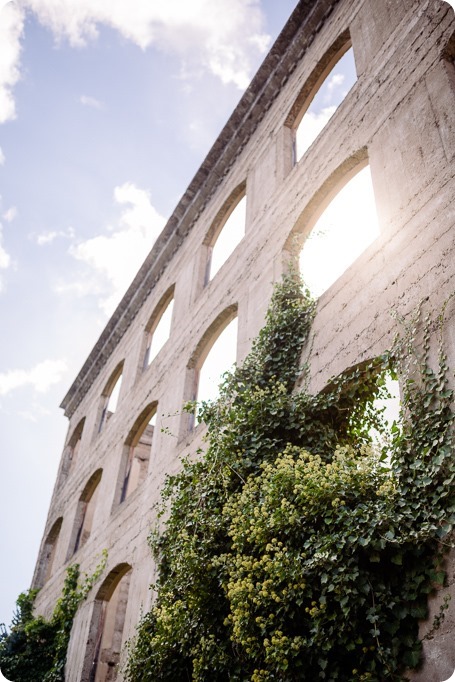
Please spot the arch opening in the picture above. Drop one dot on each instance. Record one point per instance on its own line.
(72, 450)
(48, 553)
(218, 357)
(332, 84)
(159, 332)
(138, 447)
(345, 228)
(107, 625)
(230, 234)
(85, 512)
(110, 396)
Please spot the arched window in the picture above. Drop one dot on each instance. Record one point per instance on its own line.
(342, 232)
(159, 328)
(106, 627)
(322, 94)
(138, 447)
(72, 450)
(110, 396)
(216, 353)
(85, 512)
(390, 407)
(220, 358)
(226, 232)
(378, 414)
(48, 554)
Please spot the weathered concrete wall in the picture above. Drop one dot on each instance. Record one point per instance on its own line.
(400, 118)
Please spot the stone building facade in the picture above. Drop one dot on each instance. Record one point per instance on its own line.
(398, 118)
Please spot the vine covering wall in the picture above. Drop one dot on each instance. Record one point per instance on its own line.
(35, 649)
(297, 547)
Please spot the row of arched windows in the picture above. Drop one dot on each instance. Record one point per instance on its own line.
(327, 251)
(326, 244)
(334, 249)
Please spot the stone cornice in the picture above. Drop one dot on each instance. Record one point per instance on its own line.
(288, 49)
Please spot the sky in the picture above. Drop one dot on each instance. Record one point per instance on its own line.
(106, 113)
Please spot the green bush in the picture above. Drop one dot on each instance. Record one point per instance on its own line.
(35, 648)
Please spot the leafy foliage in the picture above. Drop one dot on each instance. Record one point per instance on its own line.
(296, 548)
(35, 648)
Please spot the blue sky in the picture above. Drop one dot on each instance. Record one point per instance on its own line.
(105, 116)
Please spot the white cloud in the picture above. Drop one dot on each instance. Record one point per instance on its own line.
(335, 81)
(223, 37)
(34, 415)
(115, 259)
(84, 287)
(2, 157)
(10, 214)
(11, 27)
(5, 259)
(332, 93)
(40, 378)
(91, 102)
(51, 235)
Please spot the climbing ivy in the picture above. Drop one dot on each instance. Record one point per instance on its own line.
(35, 648)
(297, 547)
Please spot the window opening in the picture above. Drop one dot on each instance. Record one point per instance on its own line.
(113, 398)
(231, 234)
(344, 230)
(86, 511)
(391, 413)
(49, 552)
(220, 358)
(325, 102)
(159, 334)
(75, 450)
(138, 455)
(72, 449)
(110, 400)
(107, 626)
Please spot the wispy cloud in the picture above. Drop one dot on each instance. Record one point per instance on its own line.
(2, 156)
(40, 378)
(10, 214)
(52, 235)
(91, 102)
(223, 38)
(114, 259)
(335, 82)
(35, 414)
(88, 286)
(5, 259)
(11, 28)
